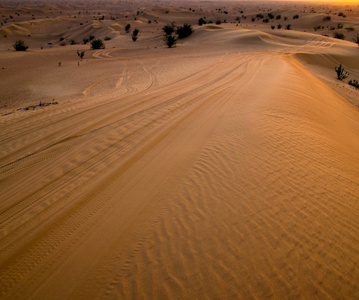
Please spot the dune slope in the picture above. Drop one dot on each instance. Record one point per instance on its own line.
(237, 181)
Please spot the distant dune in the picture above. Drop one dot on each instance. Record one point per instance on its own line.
(226, 167)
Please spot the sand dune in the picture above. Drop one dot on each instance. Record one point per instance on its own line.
(225, 168)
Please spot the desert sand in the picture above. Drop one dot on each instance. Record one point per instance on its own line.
(226, 167)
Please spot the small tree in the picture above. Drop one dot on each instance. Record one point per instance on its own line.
(97, 44)
(127, 28)
(341, 74)
(170, 40)
(169, 29)
(20, 46)
(81, 54)
(184, 31)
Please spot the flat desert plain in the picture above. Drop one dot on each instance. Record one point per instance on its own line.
(226, 167)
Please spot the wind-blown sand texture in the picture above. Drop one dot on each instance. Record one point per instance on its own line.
(224, 168)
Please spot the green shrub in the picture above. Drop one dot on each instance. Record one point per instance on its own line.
(135, 32)
(169, 29)
(107, 38)
(278, 17)
(350, 28)
(354, 83)
(270, 15)
(97, 44)
(288, 27)
(340, 25)
(341, 74)
(127, 27)
(184, 31)
(170, 40)
(20, 46)
(342, 15)
(279, 26)
(135, 35)
(339, 36)
(81, 54)
(201, 21)
(218, 22)
(296, 17)
(273, 27)
(327, 18)
(85, 40)
(356, 39)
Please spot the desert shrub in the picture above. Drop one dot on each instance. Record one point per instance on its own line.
(91, 37)
(350, 28)
(341, 74)
(184, 31)
(127, 27)
(201, 21)
(327, 18)
(288, 27)
(356, 39)
(169, 29)
(260, 16)
(340, 25)
(61, 39)
(279, 26)
(354, 83)
(278, 17)
(107, 38)
(296, 17)
(85, 40)
(20, 46)
(332, 28)
(135, 35)
(317, 27)
(218, 22)
(339, 36)
(170, 40)
(285, 18)
(253, 19)
(97, 44)
(73, 42)
(149, 21)
(265, 20)
(342, 15)
(270, 15)
(273, 27)
(81, 54)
